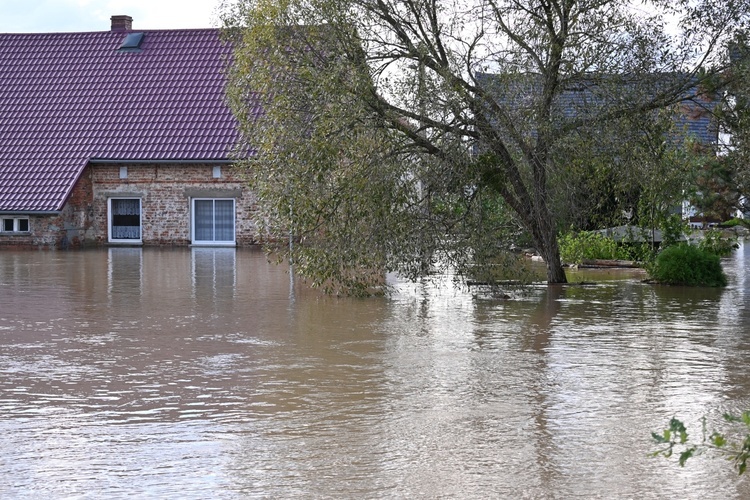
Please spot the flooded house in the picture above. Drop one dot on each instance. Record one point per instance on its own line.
(118, 137)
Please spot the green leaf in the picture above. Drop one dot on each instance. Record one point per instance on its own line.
(659, 438)
(685, 455)
(731, 418)
(718, 440)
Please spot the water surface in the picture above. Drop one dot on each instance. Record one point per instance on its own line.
(208, 373)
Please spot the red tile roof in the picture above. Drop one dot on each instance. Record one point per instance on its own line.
(67, 98)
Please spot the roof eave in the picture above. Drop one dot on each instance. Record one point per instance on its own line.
(160, 162)
(30, 212)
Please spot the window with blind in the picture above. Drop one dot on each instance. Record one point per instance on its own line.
(213, 221)
(125, 220)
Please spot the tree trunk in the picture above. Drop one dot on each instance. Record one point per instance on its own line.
(555, 271)
(545, 235)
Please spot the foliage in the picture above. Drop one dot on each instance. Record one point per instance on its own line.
(575, 248)
(385, 145)
(736, 222)
(725, 186)
(629, 174)
(586, 245)
(675, 438)
(715, 242)
(685, 264)
(673, 228)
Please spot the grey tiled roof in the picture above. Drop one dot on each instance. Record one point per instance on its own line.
(67, 98)
(518, 95)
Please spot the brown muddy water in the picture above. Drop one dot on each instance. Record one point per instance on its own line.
(208, 373)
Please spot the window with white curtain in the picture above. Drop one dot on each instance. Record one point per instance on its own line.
(213, 221)
(125, 220)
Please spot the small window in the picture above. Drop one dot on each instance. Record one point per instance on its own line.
(217, 172)
(123, 172)
(132, 41)
(124, 220)
(15, 225)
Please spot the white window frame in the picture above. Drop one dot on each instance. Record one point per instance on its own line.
(131, 241)
(16, 225)
(215, 243)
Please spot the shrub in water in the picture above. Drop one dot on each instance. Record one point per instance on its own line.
(688, 265)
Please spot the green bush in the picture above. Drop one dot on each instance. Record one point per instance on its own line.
(575, 248)
(685, 264)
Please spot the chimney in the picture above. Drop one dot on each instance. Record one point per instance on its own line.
(122, 23)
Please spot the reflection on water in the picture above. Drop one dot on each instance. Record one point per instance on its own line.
(196, 373)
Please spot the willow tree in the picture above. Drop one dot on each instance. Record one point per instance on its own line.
(404, 134)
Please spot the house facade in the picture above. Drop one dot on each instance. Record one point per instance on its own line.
(119, 137)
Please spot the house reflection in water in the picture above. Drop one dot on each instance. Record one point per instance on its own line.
(212, 277)
(214, 274)
(124, 276)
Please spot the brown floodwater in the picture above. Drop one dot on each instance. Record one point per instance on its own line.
(209, 373)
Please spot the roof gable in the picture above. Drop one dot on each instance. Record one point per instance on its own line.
(67, 98)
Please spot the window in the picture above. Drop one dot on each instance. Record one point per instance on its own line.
(132, 42)
(213, 221)
(15, 225)
(124, 220)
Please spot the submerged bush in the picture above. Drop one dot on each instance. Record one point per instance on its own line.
(685, 264)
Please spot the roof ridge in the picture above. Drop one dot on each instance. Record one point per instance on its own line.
(159, 30)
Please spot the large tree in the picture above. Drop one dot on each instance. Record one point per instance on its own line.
(403, 134)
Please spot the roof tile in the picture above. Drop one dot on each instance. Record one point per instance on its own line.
(66, 98)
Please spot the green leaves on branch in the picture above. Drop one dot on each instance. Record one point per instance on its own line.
(734, 447)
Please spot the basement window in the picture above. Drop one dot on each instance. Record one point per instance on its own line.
(15, 225)
(132, 42)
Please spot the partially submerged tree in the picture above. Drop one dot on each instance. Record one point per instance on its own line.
(402, 134)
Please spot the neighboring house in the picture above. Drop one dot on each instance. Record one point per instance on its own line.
(118, 137)
(590, 98)
(693, 119)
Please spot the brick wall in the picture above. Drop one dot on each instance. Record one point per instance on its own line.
(165, 192)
